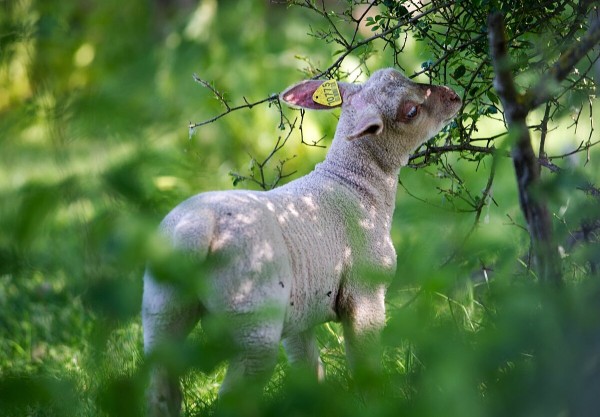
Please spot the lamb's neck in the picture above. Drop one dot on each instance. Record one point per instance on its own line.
(356, 166)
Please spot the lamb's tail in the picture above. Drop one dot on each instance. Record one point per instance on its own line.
(191, 231)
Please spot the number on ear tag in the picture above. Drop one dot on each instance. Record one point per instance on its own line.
(328, 94)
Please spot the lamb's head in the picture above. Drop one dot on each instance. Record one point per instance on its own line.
(392, 105)
(389, 112)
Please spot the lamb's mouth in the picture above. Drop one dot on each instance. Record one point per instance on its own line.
(449, 119)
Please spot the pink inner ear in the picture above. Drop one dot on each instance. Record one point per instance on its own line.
(300, 95)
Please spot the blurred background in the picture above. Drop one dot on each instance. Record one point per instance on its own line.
(96, 100)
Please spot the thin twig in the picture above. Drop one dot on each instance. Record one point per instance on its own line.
(348, 51)
(228, 108)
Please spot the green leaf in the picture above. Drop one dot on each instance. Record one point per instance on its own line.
(491, 110)
(492, 97)
(459, 72)
(401, 11)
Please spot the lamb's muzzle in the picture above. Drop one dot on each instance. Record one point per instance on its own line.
(315, 250)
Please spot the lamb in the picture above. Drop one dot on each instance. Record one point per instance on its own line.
(301, 251)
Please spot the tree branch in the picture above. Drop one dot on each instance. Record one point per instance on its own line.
(542, 92)
(461, 147)
(526, 165)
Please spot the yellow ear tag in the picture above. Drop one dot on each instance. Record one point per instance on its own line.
(328, 94)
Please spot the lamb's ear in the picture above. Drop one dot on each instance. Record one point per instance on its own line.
(303, 94)
(368, 122)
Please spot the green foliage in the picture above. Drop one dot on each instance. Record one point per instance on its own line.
(95, 103)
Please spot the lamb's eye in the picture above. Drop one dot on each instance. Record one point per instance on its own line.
(408, 111)
(412, 112)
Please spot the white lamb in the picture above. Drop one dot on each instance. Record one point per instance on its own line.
(286, 260)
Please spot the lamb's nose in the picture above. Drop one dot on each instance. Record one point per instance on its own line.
(449, 94)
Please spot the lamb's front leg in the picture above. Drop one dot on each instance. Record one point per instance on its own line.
(302, 351)
(363, 319)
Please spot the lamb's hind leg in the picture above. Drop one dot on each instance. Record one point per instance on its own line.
(302, 350)
(257, 342)
(167, 319)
